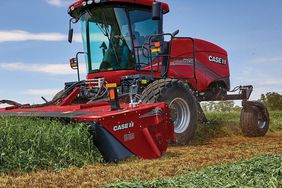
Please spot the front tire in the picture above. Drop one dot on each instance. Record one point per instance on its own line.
(182, 104)
(58, 95)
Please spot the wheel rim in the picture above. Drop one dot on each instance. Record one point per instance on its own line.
(261, 124)
(261, 121)
(180, 114)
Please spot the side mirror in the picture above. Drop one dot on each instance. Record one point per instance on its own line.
(156, 10)
(74, 63)
(70, 36)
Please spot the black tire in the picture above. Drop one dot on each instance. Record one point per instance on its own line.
(254, 120)
(182, 103)
(58, 95)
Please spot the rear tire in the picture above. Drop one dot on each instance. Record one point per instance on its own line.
(254, 121)
(182, 103)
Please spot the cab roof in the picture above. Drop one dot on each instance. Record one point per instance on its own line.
(80, 5)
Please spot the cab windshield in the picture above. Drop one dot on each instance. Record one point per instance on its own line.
(111, 42)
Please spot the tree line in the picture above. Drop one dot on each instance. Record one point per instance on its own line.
(272, 100)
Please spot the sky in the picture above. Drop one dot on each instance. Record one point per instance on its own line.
(35, 53)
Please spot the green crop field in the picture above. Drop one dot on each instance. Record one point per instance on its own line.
(43, 153)
(27, 144)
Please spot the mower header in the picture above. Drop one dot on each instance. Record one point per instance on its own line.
(79, 6)
(144, 131)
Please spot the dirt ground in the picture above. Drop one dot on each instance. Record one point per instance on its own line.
(177, 161)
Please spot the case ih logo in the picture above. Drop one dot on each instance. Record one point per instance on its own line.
(217, 60)
(124, 126)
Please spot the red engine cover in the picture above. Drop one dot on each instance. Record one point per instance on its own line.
(211, 62)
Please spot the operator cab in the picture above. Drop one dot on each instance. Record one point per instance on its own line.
(116, 36)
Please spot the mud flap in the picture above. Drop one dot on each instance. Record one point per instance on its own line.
(201, 114)
(111, 149)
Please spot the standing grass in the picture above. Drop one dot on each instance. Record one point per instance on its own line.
(31, 144)
(276, 121)
(222, 124)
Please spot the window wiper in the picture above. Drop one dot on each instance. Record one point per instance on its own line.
(101, 29)
(106, 33)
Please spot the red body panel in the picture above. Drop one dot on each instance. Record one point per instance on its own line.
(152, 131)
(149, 135)
(181, 62)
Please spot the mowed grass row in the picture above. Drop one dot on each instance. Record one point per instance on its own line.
(260, 171)
(179, 161)
(27, 144)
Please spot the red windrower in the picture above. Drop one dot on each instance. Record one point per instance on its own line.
(143, 87)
